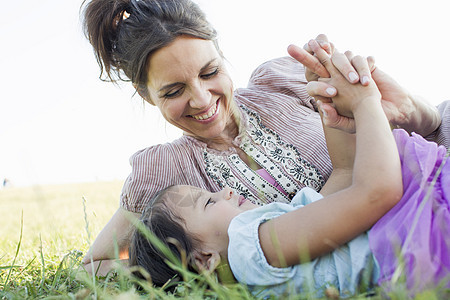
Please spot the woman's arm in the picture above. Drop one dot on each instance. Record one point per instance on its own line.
(101, 257)
(412, 113)
(376, 186)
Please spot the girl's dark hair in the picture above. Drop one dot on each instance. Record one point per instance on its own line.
(124, 33)
(167, 227)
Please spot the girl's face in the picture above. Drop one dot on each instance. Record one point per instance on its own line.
(188, 82)
(207, 215)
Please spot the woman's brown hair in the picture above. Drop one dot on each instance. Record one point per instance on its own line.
(125, 33)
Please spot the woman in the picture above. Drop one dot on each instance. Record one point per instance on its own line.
(247, 139)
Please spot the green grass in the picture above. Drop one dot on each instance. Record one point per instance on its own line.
(44, 235)
(54, 235)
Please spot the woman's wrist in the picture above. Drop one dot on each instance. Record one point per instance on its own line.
(419, 116)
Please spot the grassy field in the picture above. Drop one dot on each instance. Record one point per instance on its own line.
(55, 215)
(45, 230)
(53, 224)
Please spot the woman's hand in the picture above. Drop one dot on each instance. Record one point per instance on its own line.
(314, 68)
(101, 257)
(411, 113)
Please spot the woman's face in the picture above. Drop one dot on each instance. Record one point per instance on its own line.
(188, 82)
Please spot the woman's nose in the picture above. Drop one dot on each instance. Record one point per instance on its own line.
(200, 97)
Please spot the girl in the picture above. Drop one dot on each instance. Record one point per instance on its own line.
(309, 244)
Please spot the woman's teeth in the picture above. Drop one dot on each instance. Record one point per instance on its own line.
(208, 115)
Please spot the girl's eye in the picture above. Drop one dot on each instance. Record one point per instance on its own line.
(210, 201)
(211, 74)
(173, 94)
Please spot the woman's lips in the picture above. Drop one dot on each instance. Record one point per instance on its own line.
(209, 115)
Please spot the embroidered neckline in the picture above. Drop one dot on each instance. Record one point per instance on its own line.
(281, 160)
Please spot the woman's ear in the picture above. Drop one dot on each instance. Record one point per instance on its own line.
(206, 261)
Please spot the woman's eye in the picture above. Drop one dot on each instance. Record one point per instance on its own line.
(211, 74)
(173, 94)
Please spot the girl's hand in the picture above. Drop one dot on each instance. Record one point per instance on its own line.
(348, 96)
(323, 91)
(332, 119)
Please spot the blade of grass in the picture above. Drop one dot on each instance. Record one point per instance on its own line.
(25, 268)
(9, 267)
(58, 273)
(425, 199)
(41, 251)
(401, 266)
(119, 270)
(157, 243)
(5, 286)
(31, 290)
(86, 222)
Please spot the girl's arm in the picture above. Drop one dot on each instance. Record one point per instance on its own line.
(341, 148)
(101, 257)
(376, 185)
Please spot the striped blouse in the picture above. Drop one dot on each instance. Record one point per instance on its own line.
(442, 134)
(282, 132)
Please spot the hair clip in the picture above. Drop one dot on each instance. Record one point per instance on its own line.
(125, 15)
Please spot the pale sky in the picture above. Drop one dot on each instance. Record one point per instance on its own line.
(59, 123)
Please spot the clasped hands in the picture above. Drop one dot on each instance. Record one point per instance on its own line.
(347, 96)
(401, 109)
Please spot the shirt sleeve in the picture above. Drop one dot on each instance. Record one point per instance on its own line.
(283, 75)
(245, 255)
(153, 169)
(305, 196)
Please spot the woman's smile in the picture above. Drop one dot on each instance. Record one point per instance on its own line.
(210, 115)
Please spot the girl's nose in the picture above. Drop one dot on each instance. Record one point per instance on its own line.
(228, 193)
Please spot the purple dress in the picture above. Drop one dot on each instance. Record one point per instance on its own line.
(413, 239)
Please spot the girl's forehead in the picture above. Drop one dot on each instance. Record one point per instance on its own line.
(185, 196)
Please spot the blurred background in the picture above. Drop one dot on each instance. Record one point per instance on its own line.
(60, 124)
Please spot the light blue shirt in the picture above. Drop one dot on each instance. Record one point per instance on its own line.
(346, 268)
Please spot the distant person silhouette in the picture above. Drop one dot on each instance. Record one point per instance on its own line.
(6, 183)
